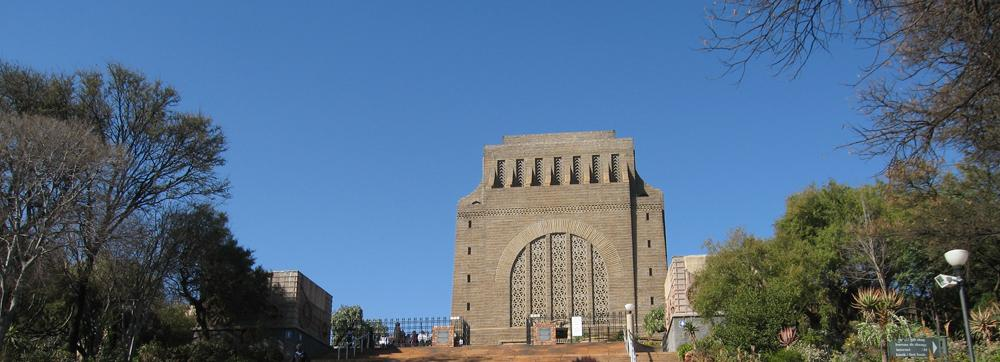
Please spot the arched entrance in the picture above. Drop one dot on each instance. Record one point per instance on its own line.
(556, 276)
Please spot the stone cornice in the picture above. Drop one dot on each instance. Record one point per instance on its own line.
(555, 210)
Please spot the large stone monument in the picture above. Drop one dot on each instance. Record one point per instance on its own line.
(560, 225)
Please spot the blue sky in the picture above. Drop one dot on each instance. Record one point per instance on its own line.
(355, 127)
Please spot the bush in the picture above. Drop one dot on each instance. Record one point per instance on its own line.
(809, 352)
(684, 349)
(653, 322)
(785, 355)
(153, 352)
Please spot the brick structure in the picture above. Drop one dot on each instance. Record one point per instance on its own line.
(678, 310)
(543, 334)
(304, 312)
(560, 225)
(443, 336)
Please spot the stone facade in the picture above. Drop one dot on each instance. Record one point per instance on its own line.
(678, 310)
(560, 225)
(304, 311)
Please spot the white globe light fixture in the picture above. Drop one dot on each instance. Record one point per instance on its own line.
(630, 307)
(957, 257)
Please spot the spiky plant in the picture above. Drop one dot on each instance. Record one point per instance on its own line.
(692, 331)
(878, 307)
(986, 322)
(787, 336)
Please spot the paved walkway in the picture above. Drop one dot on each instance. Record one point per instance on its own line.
(583, 352)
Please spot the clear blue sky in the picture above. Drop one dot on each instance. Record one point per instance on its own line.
(354, 127)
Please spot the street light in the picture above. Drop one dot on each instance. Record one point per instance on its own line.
(957, 258)
(630, 318)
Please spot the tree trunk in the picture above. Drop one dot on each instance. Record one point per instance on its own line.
(199, 313)
(79, 306)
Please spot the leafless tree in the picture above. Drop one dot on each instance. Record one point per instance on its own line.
(869, 247)
(45, 167)
(941, 86)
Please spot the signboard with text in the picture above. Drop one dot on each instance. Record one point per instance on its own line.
(918, 347)
(576, 325)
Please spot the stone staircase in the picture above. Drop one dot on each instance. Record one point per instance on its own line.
(584, 352)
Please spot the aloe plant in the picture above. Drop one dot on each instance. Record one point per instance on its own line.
(878, 307)
(787, 336)
(985, 322)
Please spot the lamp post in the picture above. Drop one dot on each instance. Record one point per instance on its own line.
(957, 258)
(630, 331)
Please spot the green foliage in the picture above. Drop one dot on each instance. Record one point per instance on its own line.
(683, 349)
(740, 282)
(785, 355)
(215, 274)
(347, 319)
(810, 353)
(652, 323)
(803, 277)
(171, 325)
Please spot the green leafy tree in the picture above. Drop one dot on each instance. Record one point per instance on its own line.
(348, 319)
(653, 322)
(163, 157)
(215, 275)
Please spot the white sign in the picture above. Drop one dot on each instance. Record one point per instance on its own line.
(577, 326)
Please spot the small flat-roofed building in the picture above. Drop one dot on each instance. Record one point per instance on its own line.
(304, 312)
(678, 310)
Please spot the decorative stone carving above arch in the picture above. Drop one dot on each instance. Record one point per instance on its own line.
(601, 246)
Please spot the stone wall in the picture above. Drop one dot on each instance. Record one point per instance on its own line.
(526, 206)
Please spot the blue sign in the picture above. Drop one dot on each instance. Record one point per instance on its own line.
(544, 334)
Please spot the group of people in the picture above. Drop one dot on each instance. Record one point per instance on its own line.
(401, 339)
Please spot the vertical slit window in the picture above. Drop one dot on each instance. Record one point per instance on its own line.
(649, 243)
(574, 178)
(469, 252)
(518, 174)
(536, 177)
(595, 169)
(468, 277)
(470, 223)
(500, 179)
(556, 171)
(468, 306)
(651, 301)
(650, 271)
(647, 216)
(615, 171)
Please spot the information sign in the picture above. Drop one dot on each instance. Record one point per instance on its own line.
(577, 326)
(443, 337)
(918, 347)
(544, 334)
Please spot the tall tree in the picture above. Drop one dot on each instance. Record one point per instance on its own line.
(164, 157)
(45, 166)
(214, 274)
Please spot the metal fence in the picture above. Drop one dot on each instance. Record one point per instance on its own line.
(388, 334)
(606, 327)
(411, 332)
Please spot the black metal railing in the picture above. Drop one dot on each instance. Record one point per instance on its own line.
(411, 332)
(607, 327)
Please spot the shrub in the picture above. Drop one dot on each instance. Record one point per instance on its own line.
(153, 352)
(653, 322)
(785, 355)
(809, 352)
(683, 350)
